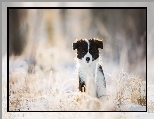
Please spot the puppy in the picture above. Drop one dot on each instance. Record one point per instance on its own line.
(90, 72)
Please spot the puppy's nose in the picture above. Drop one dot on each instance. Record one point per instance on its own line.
(87, 58)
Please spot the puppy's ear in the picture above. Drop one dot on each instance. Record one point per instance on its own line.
(99, 43)
(75, 45)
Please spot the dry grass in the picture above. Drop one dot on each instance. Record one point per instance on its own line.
(30, 92)
(128, 89)
(33, 92)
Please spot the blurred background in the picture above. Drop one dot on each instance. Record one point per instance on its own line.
(44, 37)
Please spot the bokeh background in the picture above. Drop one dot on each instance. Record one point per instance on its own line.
(123, 32)
(42, 39)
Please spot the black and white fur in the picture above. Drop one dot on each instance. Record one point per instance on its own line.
(90, 72)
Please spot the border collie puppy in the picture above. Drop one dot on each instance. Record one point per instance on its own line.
(90, 72)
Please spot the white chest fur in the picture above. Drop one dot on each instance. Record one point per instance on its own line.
(93, 78)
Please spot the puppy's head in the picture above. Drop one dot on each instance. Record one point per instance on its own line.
(88, 49)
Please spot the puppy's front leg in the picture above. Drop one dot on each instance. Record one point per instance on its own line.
(81, 85)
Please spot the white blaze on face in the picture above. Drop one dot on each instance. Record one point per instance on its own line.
(88, 57)
(87, 43)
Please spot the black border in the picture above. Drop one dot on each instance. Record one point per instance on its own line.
(8, 59)
(67, 8)
(146, 62)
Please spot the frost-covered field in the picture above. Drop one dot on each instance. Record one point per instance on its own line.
(57, 89)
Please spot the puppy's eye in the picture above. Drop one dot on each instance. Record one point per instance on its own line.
(83, 51)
